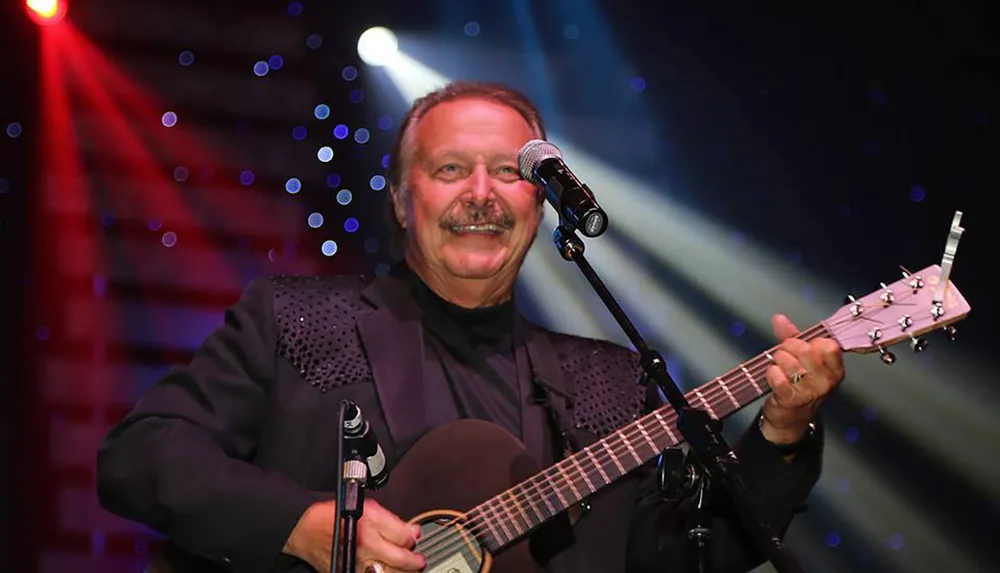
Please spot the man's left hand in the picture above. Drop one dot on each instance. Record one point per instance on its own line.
(802, 376)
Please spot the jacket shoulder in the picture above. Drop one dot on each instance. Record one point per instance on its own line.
(315, 317)
(605, 382)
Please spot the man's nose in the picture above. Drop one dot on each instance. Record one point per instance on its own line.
(480, 188)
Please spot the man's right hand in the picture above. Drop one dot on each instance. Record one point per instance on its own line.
(382, 536)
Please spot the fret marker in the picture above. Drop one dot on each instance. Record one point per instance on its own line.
(705, 402)
(725, 388)
(652, 444)
(750, 377)
(600, 470)
(666, 426)
(570, 483)
(631, 450)
(583, 473)
(614, 457)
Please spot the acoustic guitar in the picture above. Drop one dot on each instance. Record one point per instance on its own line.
(442, 480)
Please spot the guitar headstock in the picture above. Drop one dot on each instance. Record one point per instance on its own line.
(900, 312)
(904, 310)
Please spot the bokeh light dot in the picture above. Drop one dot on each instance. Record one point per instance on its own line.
(896, 541)
(371, 245)
(299, 132)
(832, 539)
(4, 185)
(333, 180)
(472, 29)
(272, 255)
(737, 328)
(14, 130)
(637, 84)
(246, 177)
(169, 239)
(42, 333)
(362, 136)
(181, 174)
(169, 119)
(350, 73)
(851, 434)
(293, 185)
(344, 196)
(186, 58)
(385, 123)
(329, 248)
(315, 220)
(261, 68)
(314, 41)
(382, 269)
(351, 225)
(386, 159)
(321, 111)
(377, 183)
(154, 224)
(325, 154)
(341, 131)
(357, 96)
(107, 219)
(276, 62)
(571, 32)
(869, 414)
(917, 194)
(295, 8)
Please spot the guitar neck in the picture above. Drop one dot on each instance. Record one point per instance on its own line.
(513, 514)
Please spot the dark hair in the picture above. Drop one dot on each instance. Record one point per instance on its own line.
(402, 151)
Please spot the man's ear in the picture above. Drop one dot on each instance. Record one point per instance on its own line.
(398, 205)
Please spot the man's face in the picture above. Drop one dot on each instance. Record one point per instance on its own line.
(468, 213)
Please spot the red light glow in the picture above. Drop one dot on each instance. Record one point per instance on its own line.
(46, 12)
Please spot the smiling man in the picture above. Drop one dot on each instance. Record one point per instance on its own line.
(230, 455)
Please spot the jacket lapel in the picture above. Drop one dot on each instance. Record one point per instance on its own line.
(393, 341)
(546, 372)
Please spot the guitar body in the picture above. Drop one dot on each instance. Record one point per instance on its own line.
(447, 472)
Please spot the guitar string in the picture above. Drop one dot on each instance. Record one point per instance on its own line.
(550, 484)
(477, 521)
(662, 427)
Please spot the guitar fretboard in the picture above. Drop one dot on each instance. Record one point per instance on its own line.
(521, 509)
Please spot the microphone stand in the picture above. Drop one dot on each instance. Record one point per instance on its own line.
(713, 456)
(355, 476)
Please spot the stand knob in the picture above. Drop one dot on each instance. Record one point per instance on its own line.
(677, 478)
(886, 356)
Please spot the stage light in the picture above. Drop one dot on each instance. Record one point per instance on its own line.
(46, 12)
(377, 46)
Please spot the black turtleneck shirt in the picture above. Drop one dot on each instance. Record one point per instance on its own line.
(472, 356)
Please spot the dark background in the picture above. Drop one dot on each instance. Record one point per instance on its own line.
(841, 137)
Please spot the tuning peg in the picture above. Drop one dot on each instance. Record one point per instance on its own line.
(951, 331)
(918, 345)
(886, 356)
(856, 308)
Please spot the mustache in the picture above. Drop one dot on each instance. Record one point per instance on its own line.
(478, 214)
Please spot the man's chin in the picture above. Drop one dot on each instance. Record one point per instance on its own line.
(479, 265)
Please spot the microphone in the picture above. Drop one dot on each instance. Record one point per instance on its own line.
(541, 162)
(359, 433)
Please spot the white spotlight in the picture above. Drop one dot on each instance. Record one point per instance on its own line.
(377, 46)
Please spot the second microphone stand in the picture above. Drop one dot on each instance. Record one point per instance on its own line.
(714, 457)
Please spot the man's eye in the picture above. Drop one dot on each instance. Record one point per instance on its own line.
(450, 168)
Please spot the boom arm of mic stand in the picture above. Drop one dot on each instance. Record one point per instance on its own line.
(699, 429)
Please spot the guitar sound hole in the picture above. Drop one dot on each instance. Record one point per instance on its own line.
(448, 546)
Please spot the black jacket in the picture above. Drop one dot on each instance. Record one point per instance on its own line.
(224, 454)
